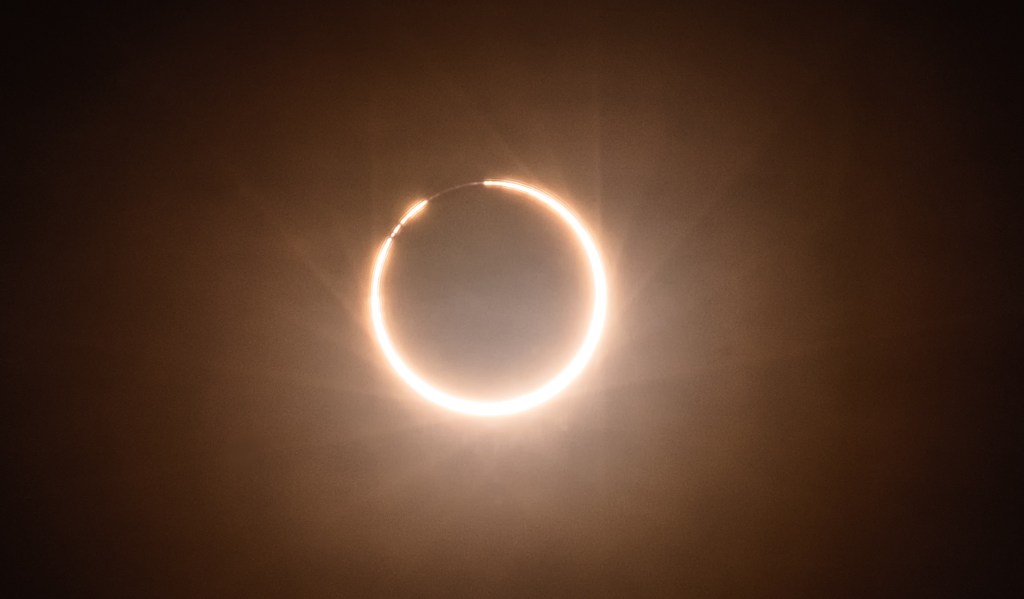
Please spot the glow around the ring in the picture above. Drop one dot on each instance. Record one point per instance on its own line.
(519, 403)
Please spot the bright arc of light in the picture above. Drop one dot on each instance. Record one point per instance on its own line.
(531, 399)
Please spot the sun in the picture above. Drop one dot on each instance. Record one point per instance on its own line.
(498, 406)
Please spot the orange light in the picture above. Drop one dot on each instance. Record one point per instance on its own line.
(519, 403)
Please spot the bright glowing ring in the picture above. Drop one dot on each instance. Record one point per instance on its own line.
(519, 403)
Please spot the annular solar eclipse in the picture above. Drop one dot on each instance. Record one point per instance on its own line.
(496, 406)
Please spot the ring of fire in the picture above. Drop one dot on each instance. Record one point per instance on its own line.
(539, 395)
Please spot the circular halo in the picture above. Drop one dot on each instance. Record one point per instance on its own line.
(518, 403)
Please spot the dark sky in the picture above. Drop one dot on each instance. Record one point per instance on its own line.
(807, 387)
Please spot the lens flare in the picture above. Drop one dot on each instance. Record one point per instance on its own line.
(508, 405)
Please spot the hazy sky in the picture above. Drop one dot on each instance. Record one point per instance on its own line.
(806, 388)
